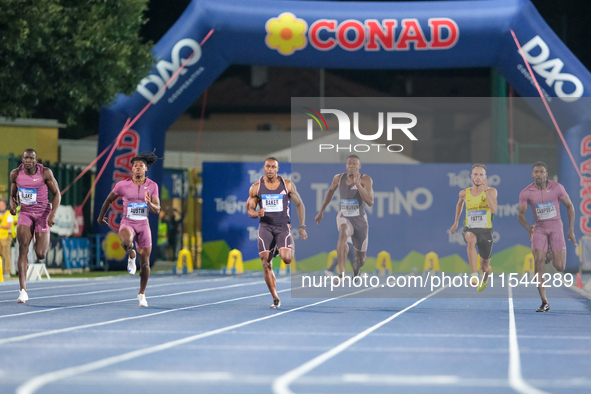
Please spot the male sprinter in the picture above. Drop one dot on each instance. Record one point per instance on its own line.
(544, 195)
(356, 191)
(140, 196)
(481, 205)
(29, 185)
(272, 194)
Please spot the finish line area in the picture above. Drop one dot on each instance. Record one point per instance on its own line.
(205, 332)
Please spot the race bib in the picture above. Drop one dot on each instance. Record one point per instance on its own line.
(27, 196)
(137, 211)
(545, 210)
(273, 202)
(477, 219)
(349, 207)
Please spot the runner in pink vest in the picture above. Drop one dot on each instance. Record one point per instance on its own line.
(29, 186)
(140, 196)
(544, 197)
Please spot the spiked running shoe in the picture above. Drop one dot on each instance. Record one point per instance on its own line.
(276, 304)
(142, 299)
(22, 297)
(131, 265)
(482, 286)
(545, 307)
(474, 279)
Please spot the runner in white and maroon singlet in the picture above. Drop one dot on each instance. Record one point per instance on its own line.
(544, 197)
(140, 196)
(30, 183)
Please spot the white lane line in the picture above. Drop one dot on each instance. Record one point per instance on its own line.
(32, 385)
(88, 282)
(134, 299)
(120, 289)
(516, 380)
(281, 384)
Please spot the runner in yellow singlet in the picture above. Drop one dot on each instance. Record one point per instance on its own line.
(481, 205)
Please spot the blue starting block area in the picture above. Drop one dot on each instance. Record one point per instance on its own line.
(206, 332)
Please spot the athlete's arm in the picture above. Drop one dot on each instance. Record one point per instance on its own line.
(153, 203)
(300, 208)
(523, 220)
(366, 191)
(251, 203)
(328, 197)
(571, 218)
(491, 197)
(459, 208)
(53, 187)
(13, 191)
(108, 201)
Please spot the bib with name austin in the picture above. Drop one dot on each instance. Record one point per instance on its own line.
(137, 211)
(349, 207)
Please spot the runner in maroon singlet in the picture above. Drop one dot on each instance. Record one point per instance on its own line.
(140, 196)
(30, 183)
(272, 194)
(544, 197)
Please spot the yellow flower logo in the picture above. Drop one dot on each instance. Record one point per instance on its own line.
(286, 33)
(112, 247)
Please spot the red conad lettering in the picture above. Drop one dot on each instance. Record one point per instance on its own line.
(586, 146)
(586, 206)
(385, 35)
(314, 34)
(437, 26)
(411, 32)
(357, 42)
(585, 225)
(586, 167)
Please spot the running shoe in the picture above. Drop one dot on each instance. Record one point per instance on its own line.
(545, 307)
(276, 304)
(275, 251)
(328, 273)
(482, 286)
(131, 265)
(474, 279)
(22, 297)
(142, 299)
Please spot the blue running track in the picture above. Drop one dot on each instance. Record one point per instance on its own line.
(204, 333)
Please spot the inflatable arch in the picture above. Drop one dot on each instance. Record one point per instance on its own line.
(363, 35)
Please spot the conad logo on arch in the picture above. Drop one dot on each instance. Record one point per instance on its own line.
(287, 34)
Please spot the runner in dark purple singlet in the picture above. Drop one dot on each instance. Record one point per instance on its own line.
(140, 196)
(30, 183)
(356, 191)
(272, 194)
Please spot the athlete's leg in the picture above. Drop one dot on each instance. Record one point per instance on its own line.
(41, 245)
(144, 254)
(342, 246)
(486, 270)
(559, 261)
(286, 255)
(24, 234)
(267, 260)
(359, 260)
(471, 248)
(126, 237)
(540, 261)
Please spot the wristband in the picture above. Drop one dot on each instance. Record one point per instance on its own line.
(304, 226)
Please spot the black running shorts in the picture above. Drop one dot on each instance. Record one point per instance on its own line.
(484, 240)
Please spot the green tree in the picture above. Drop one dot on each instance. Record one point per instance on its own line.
(64, 59)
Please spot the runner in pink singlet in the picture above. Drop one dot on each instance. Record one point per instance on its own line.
(140, 196)
(30, 184)
(544, 197)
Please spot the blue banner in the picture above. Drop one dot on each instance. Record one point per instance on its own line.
(76, 252)
(212, 34)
